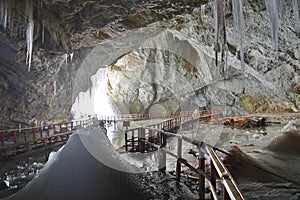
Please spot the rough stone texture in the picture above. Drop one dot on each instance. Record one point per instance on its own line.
(173, 53)
(268, 85)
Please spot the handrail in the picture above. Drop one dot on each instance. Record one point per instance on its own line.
(225, 176)
(230, 189)
(228, 181)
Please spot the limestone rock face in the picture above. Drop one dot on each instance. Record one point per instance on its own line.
(177, 68)
(156, 53)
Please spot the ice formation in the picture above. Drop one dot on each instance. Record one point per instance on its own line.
(71, 56)
(272, 6)
(238, 16)
(54, 88)
(66, 58)
(220, 30)
(296, 13)
(29, 32)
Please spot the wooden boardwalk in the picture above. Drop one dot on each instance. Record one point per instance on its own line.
(154, 137)
(23, 140)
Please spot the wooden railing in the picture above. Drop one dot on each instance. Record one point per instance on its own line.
(25, 134)
(22, 140)
(154, 137)
(217, 168)
(134, 137)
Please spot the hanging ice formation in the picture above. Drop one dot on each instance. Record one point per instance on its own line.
(296, 13)
(202, 12)
(238, 17)
(66, 58)
(43, 32)
(71, 56)
(29, 31)
(5, 13)
(281, 8)
(220, 29)
(272, 6)
(54, 88)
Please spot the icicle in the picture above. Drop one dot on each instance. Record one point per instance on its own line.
(202, 11)
(44, 91)
(71, 56)
(281, 8)
(5, 14)
(1, 11)
(43, 33)
(273, 9)
(239, 23)
(297, 19)
(220, 30)
(29, 32)
(66, 58)
(54, 88)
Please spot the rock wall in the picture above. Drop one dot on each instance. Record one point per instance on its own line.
(179, 67)
(156, 52)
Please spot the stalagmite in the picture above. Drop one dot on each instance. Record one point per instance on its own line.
(272, 6)
(29, 32)
(238, 16)
(296, 13)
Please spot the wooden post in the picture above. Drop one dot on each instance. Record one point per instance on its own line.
(225, 194)
(201, 177)
(3, 138)
(141, 139)
(162, 162)
(213, 175)
(178, 164)
(132, 140)
(33, 133)
(41, 131)
(126, 140)
(15, 136)
(25, 137)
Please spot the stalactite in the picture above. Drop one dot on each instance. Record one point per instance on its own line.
(71, 56)
(43, 32)
(272, 6)
(220, 29)
(238, 16)
(282, 8)
(66, 58)
(296, 14)
(202, 12)
(29, 31)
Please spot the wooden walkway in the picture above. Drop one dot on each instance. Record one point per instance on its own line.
(141, 139)
(18, 141)
(154, 137)
(134, 138)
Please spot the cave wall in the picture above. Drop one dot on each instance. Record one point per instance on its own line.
(175, 47)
